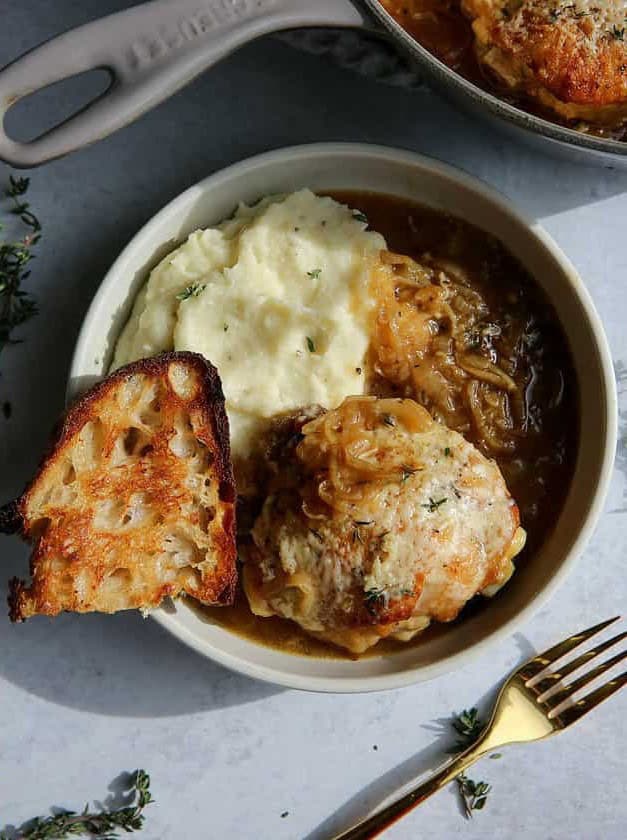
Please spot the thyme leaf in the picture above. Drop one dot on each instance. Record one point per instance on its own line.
(374, 598)
(407, 472)
(433, 505)
(193, 290)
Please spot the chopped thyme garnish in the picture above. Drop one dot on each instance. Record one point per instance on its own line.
(618, 33)
(374, 598)
(447, 451)
(363, 521)
(432, 505)
(193, 290)
(555, 14)
(407, 472)
(310, 345)
(360, 217)
(389, 420)
(315, 273)
(316, 534)
(225, 328)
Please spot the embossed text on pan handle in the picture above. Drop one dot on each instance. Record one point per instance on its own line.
(150, 51)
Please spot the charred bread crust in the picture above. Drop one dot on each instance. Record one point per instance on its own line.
(208, 402)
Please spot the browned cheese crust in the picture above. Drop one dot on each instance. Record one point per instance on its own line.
(135, 500)
(569, 55)
(382, 520)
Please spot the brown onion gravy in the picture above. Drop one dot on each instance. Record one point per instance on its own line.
(539, 471)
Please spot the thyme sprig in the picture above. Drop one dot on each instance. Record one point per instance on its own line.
(469, 726)
(104, 824)
(474, 794)
(16, 305)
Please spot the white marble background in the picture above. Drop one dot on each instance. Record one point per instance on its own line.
(82, 699)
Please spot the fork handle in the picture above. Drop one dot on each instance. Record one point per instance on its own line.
(380, 820)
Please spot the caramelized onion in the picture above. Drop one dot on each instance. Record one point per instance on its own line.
(430, 343)
(341, 448)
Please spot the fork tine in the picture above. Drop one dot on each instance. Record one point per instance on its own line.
(541, 685)
(548, 657)
(568, 690)
(587, 703)
(575, 685)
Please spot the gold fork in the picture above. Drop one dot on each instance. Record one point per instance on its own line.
(534, 703)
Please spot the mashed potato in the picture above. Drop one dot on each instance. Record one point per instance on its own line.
(276, 298)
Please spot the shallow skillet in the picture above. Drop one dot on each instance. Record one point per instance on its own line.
(153, 49)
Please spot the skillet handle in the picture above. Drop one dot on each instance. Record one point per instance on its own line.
(150, 51)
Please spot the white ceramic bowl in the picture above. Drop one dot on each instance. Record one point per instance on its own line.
(375, 168)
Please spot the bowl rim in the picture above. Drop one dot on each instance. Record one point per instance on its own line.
(363, 151)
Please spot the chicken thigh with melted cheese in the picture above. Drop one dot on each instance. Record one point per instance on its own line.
(568, 55)
(389, 520)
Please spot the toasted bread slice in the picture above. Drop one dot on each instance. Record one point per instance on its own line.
(136, 499)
